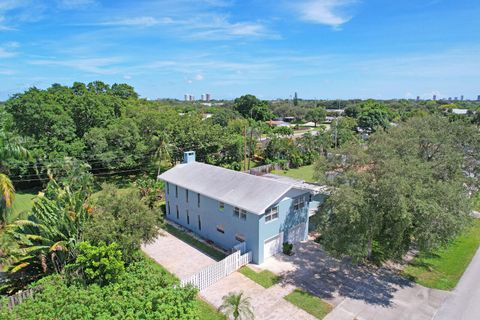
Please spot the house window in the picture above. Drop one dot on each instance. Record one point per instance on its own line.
(178, 215)
(220, 228)
(236, 212)
(168, 207)
(199, 223)
(188, 218)
(176, 191)
(240, 237)
(198, 200)
(243, 214)
(221, 206)
(271, 214)
(186, 195)
(298, 203)
(168, 188)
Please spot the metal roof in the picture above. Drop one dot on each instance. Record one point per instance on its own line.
(239, 189)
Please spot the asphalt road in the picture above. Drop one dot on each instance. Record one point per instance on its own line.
(464, 303)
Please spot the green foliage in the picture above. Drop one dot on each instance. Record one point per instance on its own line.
(283, 131)
(406, 187)
(100, 264)
(143, 291)
(287, 248)
(237, 305)
(123, 218)
(250, 107)
(316, 115)
(373, 115)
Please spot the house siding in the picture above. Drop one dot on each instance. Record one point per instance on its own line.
(211, 216)
(254, 228)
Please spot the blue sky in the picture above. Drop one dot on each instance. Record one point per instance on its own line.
(324, 49)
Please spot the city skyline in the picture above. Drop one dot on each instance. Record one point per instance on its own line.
(323, 49)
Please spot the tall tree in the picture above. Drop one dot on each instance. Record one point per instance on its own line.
(316, 115)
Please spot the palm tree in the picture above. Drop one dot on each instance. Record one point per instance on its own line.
(162, 151)
(237, 305)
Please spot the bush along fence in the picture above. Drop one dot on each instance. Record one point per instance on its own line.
(21, 296)
(267, 168)
(217, 271)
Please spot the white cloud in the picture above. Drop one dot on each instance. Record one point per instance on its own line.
(6, 54)
(7, 72)
(199, 77)
(75, 4)
(145, 21)
(328, 12)
(92, 65)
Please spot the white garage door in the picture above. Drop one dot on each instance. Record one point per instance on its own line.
(272, 246)
(297, 233)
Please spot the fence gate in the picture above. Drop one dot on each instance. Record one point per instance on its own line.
(219, 270)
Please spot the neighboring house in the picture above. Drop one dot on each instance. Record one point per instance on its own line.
(229, 207)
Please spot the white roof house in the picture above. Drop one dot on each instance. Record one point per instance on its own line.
(249, 192)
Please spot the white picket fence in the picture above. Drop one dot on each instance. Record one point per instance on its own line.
(215, 272)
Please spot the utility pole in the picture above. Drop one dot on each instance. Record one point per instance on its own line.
(245, 148)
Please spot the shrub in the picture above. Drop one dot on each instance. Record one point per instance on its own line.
(121, 216)
(287, 248)
(100, 264)
(144, 291)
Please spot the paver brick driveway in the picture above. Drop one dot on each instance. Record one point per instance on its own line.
(177, 256)
(183, 260)
(355, 292)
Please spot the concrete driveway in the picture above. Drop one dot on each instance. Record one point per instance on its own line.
(177, 256)
(355, 292)
(183, 260)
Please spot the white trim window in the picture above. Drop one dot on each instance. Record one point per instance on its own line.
(299, 203)
(221, 206)
(271, 214)
(236, 212)
(221, 228)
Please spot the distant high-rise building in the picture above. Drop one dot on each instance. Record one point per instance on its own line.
(461, 97)
(203, 97)
(208, 97)
(186, 97)
(418, 98)
(434, 97)
(478, 98)
(449, 98)
(192, 97)
(456, 98)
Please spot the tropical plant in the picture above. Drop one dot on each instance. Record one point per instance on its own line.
(100, 264)
(237, 305)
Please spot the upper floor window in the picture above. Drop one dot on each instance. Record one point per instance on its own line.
(236, 212)
(271, 214)
(198, 200)
(221, 206)
(186, 194)
(188, 218)
(176, 191)
(178, 214)
(243, 214)
(221, 228)
(298, 203)
(168, 188)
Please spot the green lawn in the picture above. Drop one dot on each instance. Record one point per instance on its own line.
(23, 200)
(208, 250)
(444, 268)
(310, 303)
(303, 173)
(264, 278)
(207, 312)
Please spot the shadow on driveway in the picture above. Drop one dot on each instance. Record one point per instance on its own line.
(332, 279)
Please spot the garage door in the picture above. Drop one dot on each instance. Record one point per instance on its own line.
(272, 246)
(296, 233)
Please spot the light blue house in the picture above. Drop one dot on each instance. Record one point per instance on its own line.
(229, 207)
